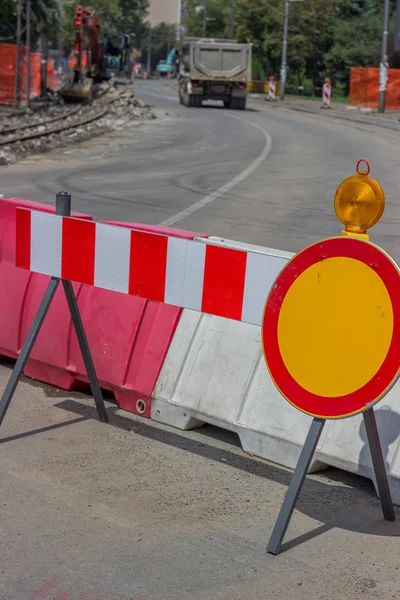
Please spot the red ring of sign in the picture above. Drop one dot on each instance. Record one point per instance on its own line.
(349, 404)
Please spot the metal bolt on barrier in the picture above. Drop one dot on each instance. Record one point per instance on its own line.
(141, 406)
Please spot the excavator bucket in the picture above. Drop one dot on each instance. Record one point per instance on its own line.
(78, 92)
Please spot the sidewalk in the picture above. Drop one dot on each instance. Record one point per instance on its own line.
(389, 119)
(137, 511)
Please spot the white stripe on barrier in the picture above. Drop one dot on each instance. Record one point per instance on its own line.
(112, 258)
(46, 243)
(261, 273)
(174, 289)
(194, 276)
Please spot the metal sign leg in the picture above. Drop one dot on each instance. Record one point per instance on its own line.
(27, 347)
(294, 489)
(379, 464)
(84, 346)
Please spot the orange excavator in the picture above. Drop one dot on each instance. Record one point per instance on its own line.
(93, 60)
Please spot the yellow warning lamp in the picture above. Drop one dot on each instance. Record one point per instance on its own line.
(359, 202)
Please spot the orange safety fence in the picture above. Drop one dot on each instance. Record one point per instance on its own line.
(72, 61)
(8, 57)
(364, 88)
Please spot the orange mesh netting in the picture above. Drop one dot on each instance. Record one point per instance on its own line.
(364, 88)
(8, 57)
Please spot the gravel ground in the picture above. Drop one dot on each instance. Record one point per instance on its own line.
(121, 106)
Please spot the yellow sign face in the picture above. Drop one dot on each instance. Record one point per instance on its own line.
(331, 328)
(336, 309)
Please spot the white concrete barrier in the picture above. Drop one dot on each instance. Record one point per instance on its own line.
(215, 373)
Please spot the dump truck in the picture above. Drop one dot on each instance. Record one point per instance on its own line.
(214, 69)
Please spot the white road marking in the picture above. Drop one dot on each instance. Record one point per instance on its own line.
(230, 184)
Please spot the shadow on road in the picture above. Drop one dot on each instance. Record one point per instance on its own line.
(349, 503)
(221, 107)
(388, 422)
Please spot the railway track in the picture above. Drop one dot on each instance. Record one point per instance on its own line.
(21, 133)
(59, 123)
(20, 139)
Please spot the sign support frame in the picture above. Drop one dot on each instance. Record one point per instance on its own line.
(63, 208)
(303, 464)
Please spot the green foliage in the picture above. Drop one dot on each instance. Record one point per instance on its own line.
(116, 16)
(356, 39)
(8, 12)
(45, 14)
(326, 37)
(257, 69)
(216, 18)
(163, 39)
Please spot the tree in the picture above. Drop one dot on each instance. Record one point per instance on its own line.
(357, 37)
(163, 40)
(133, 14)
(109, 12)
(217, 15)
(8, 12)
(44, 13)
(261, 23)
(116, 16)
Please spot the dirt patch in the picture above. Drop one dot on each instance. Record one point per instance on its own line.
(47, 127)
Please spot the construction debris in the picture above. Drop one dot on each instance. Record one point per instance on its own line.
(54, 126)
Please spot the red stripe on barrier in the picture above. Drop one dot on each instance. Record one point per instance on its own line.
(148, 265)
(23, 239)
(224, 279)
(78, 250)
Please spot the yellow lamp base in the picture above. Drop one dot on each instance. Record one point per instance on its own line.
(363, 236)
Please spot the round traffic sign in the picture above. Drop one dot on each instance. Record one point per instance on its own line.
(331, 328)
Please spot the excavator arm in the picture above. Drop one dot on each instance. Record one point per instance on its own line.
(87, 56)
(87, 44)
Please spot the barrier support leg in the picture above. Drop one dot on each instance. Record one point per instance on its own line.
(27, 347)
(84, 346)
(379, 464)
(294, 489)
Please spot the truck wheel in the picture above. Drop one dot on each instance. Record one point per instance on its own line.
(233, 104)
(242, 103)
(226, 103)
(198, 101)
(191, 101)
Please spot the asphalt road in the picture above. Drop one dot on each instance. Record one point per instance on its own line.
(137, 511)
(258, 176)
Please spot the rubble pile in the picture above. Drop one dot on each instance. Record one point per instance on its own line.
(121, 108)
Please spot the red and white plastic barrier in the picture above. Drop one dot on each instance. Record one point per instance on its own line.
(181, 272)
(271, 89)
(181, 367)
(129, 336)
(326, 93)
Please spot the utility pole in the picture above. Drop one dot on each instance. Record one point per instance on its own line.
(231, 19)
(384, 58)
(397, 33)
(23, 55)
(28, 51)
(284, 51)
(149, 53)
(204, 18)
(44, 49)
